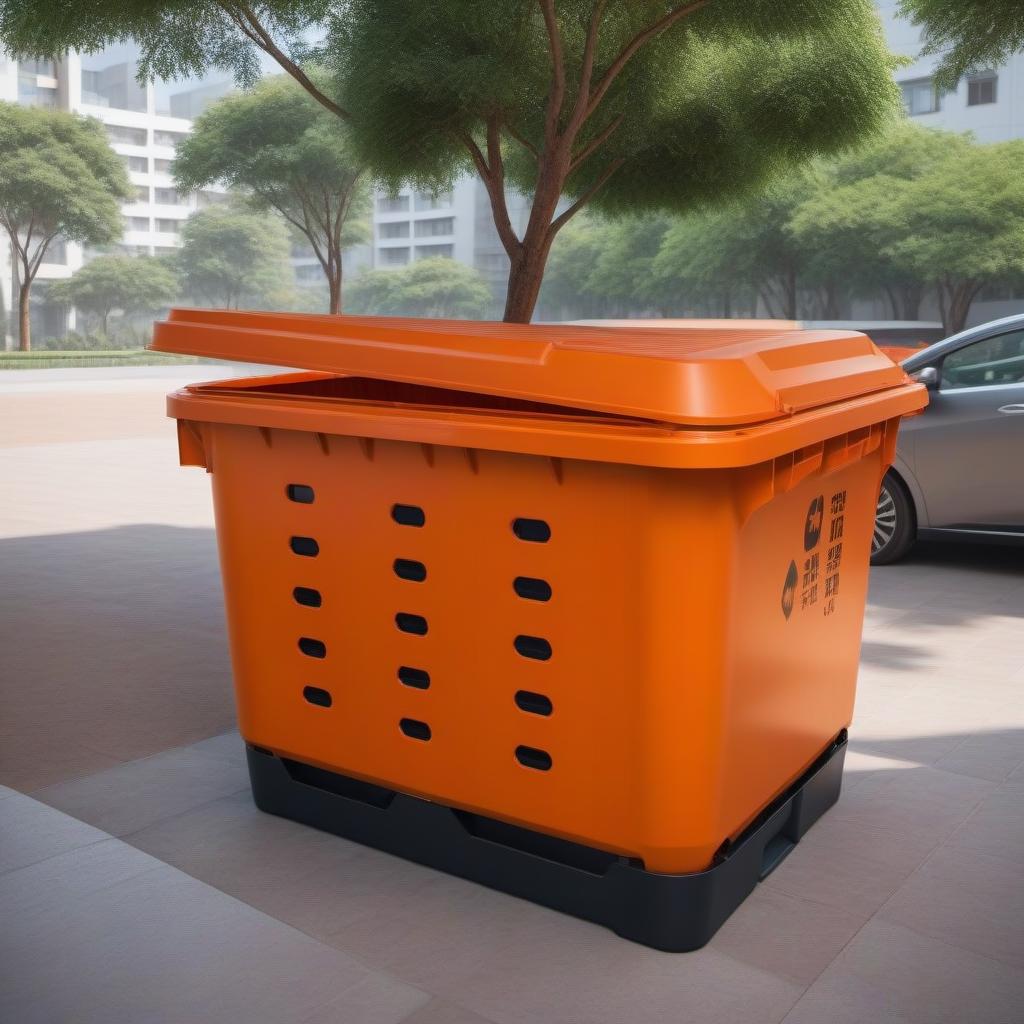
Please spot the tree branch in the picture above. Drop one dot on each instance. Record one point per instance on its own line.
(250, 26)
(496, 188)
(594, 144)
(579, 113)
(522, 140)
(556, 94)
(640, 39)
(479, 160)
(560, 221)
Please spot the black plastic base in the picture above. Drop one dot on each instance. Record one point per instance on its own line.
(675, 913)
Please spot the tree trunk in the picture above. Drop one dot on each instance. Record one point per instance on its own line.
(790, 296)
(960, 298)
(103, 322)
(912, 296)
(24, 318)
(334, 274)
(526, 275)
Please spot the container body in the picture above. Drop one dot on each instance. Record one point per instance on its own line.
(632, 657)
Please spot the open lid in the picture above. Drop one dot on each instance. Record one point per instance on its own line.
(696, 373)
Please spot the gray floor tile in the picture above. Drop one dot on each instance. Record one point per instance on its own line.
(440, 1011)
(31, 831)
(996, 828)
(890, 974)
(160, 946)
(965, 899)
(377, 999)
(136, 794)
(792, 937)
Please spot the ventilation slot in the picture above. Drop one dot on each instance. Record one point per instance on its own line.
(411, 623)
(312, 648)
(531, 757)
(417, 678)
(305, 546)
(302, 493)
(533, 703)
(415, 729)
(408, 569)
(408, 515)
(533, 647)
(321, 698)
(307, 596)
(532, 529)
(532, 589)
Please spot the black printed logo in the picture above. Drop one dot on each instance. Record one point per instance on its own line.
(789, 590)
(812, 525)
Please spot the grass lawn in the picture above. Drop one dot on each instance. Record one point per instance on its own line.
(48, 359)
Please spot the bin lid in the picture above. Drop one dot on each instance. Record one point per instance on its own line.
(697, 374)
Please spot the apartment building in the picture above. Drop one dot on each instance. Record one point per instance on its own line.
(144, 124)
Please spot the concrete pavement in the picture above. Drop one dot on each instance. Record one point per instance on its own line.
(138, 882)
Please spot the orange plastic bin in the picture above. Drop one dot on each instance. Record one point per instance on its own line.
(571, 611)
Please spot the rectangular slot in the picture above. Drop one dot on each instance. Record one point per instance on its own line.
(410, 569)
(409, 623)
(535, 647)
(533, 703)
(308, 597)
(415, 729)
(531, 757)
(312, 648)
(531, 588)
(408, 515)
(301, 493)
(417, 678)
(535, 530)
(320, 697)
(305, 546)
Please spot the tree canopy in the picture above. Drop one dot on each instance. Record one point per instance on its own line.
(627, 104)
(230, 254)
(58, 178)
(968, 35)
(434, 287)
(289, 155)
(131, 284)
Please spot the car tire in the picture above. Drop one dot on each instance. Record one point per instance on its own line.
(895, 525)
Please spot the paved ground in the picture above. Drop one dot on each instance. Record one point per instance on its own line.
(139, 884)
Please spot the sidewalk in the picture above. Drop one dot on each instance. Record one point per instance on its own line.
(138, 882)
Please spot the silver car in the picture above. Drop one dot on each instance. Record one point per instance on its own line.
(959, 469)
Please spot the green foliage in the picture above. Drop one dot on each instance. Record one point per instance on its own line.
(231, 256)
(288, 154)
(58, 176)
(968, 35)
(632, 104)
(435, 287)
(137, 284)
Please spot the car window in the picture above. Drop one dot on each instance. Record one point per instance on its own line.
(997, 360)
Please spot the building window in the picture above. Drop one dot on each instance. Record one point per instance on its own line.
(138, 223)
(133, 250)
(433, 201)
(31, 94)
(167, 196)
(424, 252)
(44, 67)
(432, 228)
(205, 199)
(164, 250)
(162, 166)
(136, 163)
(981, 89)
(168, 226)
(393, 204)
(394, 257)
(396, 229)
(920, 96)
(161, 137)
(142, 193)
(121, 135)
(109, 79)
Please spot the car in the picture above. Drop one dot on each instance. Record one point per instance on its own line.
(959, 467)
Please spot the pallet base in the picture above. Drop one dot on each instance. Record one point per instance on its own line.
(674, 913)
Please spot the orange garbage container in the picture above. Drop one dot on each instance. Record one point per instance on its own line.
(574, 612)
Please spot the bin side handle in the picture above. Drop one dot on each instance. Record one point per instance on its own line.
(191, 446)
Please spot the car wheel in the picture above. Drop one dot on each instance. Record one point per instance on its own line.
(895, 528)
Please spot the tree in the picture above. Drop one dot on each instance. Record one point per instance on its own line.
(58, 176)
(962, 225)
(435, 287)
(969, 35)
(230, 254)
(137, 284)
(846, 223)
(291, 156)
(626, 104)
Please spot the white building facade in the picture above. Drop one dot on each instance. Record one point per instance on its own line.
(144, 124)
